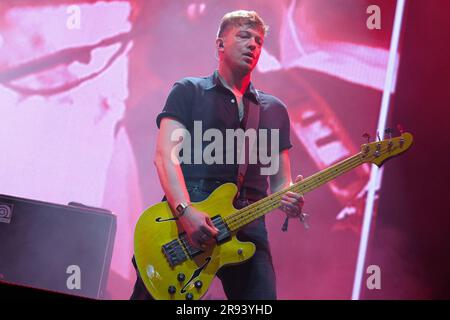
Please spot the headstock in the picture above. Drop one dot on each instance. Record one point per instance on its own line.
(380, 151)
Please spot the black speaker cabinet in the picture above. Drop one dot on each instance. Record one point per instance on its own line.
(60, 248)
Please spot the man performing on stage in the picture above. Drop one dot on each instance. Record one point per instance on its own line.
(226, 101)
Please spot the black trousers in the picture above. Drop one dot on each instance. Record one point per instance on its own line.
(251, 280)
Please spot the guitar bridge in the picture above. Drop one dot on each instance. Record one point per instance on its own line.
(178, 250)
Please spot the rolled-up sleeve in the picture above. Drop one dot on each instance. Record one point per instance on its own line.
(179, 103)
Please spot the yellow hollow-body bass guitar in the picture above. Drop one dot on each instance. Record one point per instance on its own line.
(172, 269)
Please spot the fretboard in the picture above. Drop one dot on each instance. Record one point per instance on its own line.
(257, 209)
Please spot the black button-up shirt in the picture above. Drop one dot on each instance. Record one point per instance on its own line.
(207, 103)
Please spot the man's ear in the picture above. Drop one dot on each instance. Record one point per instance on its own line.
(219, 42)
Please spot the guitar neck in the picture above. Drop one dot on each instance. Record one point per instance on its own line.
(257, 209)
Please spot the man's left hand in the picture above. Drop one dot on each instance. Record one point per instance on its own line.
(292, 203)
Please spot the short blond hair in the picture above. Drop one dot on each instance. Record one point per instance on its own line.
(242, 18)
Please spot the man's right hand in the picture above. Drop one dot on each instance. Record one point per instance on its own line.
(199, 228)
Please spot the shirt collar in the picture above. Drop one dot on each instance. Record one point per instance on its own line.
(214, 81)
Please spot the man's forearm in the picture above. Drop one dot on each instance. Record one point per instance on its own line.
(172, 181)
(168, 168)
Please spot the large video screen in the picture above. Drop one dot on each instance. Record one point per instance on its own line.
(81, 84)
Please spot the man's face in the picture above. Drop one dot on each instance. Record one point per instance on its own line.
(242, 47)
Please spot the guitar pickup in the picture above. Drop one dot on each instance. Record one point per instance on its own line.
(224, 232)
(174, 252)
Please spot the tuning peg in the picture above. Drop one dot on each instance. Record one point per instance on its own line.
(367, 136)
(388, 132)
(402, 139)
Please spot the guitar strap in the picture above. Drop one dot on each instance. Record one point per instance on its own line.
(252, 122)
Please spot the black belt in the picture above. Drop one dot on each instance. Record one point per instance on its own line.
(209, 185)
